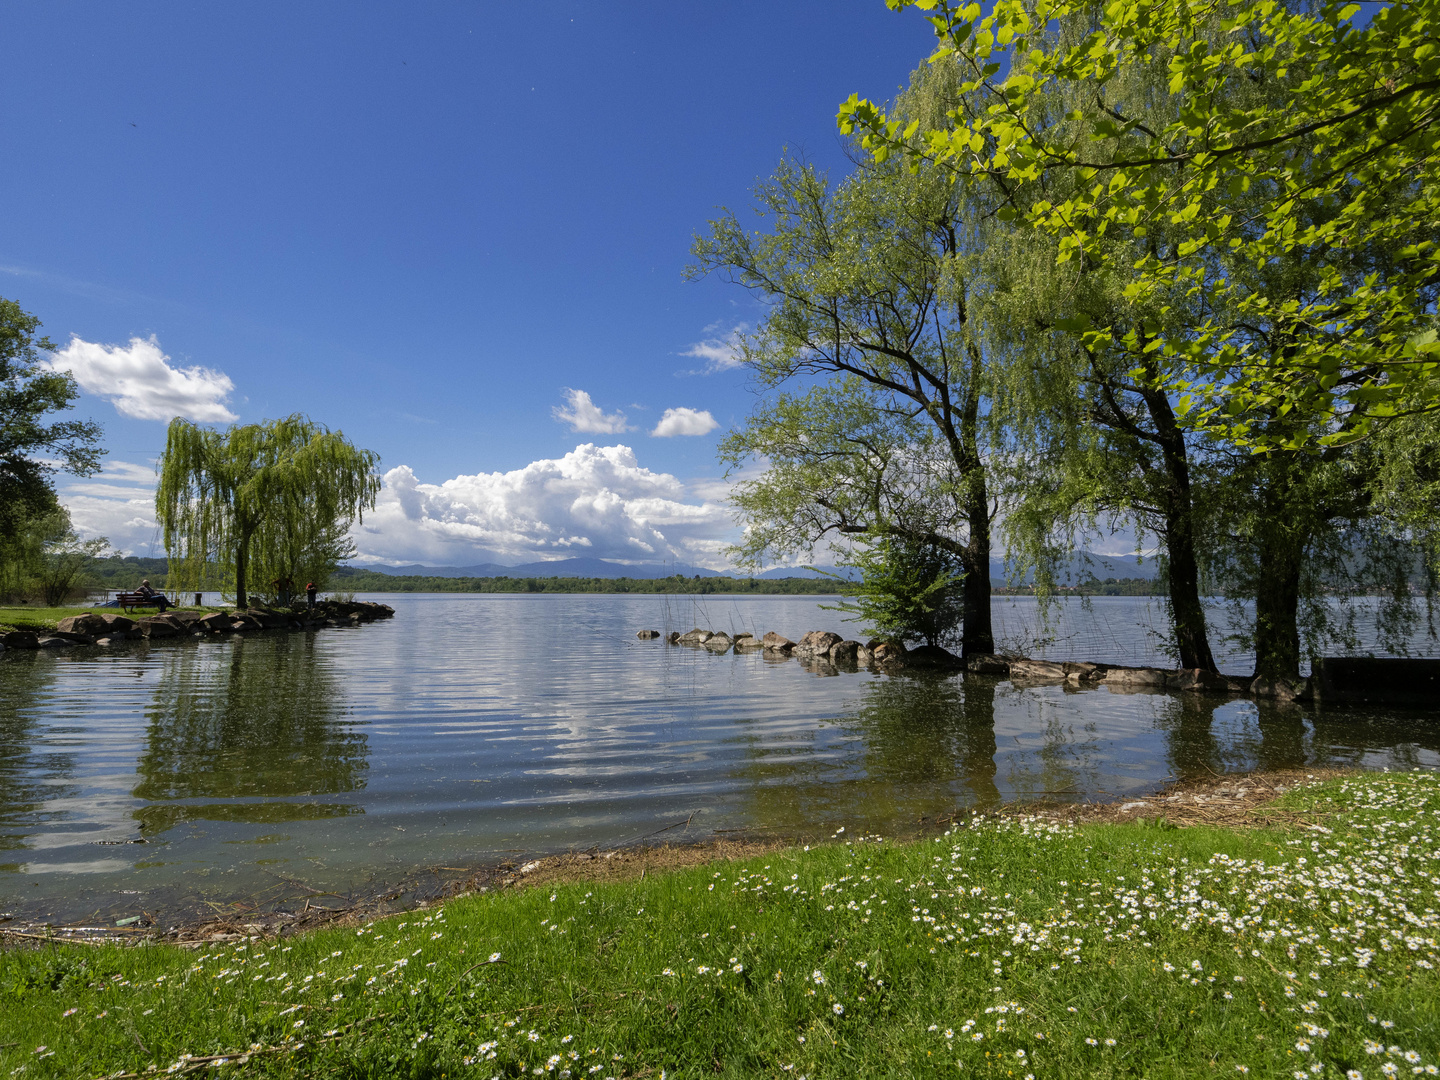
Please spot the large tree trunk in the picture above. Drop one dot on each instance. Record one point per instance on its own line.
(1186, 609)
(1277, 605)
(977, 637)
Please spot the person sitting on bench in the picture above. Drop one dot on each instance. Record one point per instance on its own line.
(158, 599)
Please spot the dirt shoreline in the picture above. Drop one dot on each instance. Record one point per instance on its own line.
(1230, 800)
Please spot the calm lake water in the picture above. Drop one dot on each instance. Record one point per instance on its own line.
(475, 728)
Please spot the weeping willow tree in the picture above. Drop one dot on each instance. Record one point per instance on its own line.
(260, 502)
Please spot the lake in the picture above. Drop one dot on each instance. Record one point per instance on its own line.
(474, 728)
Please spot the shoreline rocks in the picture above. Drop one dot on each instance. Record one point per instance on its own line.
(91, 628)
(1336, 679)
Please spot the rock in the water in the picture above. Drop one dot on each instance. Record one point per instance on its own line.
(845, 652)
(987, 664)
(159, 626)
(74, 639)
(1199, 681)
(674, 637)
(117, 624)
(1276, 689)
(1123, 680)
(934, 658)
(747, 643)
(213, 623)
(647, 635)
(1037, 671)
(743, 634)
(695, 637)
(186, 618)
(21, 639)
(86, 625)
(54, 642)
(719, 642)
(887, 651)
(777, 642)
(817, 643)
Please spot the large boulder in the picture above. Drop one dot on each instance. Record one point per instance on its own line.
(887, 651)
(186, 618)
(695, 637)
(845, 652)
(817, 643)
(747, 643)
(214, 623)
(160, 626)
(86, 624)
(776, 643)
(117, 624)
(21, 639)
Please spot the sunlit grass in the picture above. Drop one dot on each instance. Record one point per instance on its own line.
(1009, 948)
(41, 619)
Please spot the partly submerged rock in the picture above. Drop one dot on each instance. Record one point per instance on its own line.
(845, 652)
(777, 642)
(695, 637)
(817, 643)
(646, 635)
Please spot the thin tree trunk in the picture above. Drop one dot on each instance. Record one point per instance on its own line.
(241, 554)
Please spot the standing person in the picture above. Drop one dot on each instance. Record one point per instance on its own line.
(310, 591)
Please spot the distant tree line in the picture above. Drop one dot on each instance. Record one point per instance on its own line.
(358, 580)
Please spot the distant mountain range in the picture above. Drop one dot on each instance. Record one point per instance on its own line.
(1102, 566)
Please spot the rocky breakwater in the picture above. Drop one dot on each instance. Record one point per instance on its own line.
(92, 628)
(1411, 681)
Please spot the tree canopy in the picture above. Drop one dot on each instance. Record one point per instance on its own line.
(1325, 122)
(33, 446)
(261, 502)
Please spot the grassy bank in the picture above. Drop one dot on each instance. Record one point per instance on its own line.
(1008, 948)
(42, 619)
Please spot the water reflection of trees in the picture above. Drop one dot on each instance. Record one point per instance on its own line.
(907, 748)
(1207, 737)
(257, 722)
(30, 776)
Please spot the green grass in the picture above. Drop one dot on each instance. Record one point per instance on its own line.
(1006, 949)
(42, 619)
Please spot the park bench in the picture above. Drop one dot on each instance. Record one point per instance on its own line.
(130, 600)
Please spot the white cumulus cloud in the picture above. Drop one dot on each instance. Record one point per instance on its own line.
(119, 504)
(720, 351)
(139, 381)
(684, 421)
(582, 414)
(596, 501)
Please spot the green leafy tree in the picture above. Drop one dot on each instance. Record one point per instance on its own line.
(1348, 119)
(32, 445)
(868, 362)
(908, 589)
(259, 499)
(65, 561)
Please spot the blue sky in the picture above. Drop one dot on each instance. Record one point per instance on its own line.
(429, 225)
